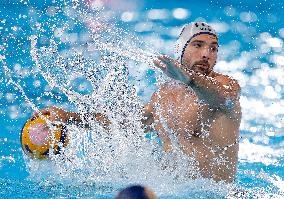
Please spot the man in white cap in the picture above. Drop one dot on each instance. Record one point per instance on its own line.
(202, 108)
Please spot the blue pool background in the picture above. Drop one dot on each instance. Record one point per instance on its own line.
(248, 22)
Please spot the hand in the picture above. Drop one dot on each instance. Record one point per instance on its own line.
(55, 114)
(172, 68)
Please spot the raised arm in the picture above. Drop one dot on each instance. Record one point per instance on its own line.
(218, 90)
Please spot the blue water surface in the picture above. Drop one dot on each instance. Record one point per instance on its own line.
(251, 50)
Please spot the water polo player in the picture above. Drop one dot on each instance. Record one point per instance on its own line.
(199, 105)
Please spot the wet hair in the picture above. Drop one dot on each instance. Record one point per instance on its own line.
(133, 192)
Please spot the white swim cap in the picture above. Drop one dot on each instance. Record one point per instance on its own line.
(188, 32)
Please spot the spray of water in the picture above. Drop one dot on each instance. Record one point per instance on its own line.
(120, 154)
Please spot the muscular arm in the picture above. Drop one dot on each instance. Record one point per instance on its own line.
(219, 91)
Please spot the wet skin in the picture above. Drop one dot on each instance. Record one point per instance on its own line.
(195, 109)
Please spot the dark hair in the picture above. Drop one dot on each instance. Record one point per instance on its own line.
(132, 192)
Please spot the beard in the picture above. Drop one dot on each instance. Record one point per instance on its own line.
(202, 67)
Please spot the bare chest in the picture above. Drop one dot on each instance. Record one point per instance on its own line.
(184, 112)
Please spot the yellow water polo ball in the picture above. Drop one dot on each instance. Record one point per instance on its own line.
(38, 140)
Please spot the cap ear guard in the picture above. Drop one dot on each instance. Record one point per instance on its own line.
(188, 32)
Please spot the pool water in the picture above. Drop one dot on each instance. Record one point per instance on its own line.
(251, 50)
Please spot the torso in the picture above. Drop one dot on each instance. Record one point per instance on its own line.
(207, 133)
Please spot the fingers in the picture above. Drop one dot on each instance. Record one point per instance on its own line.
(158, 63)
(45, 111)
(165, 58)
(174, 63)
(169, 62)
(172, 68)
(55, 115)
(163, 62)
(34, 116)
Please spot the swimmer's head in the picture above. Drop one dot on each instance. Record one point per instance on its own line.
(197, 47)
(135, 192)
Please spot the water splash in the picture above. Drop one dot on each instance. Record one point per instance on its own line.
(121, 154)
(102, 66)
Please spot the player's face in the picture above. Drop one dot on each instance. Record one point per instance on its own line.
(200, 55)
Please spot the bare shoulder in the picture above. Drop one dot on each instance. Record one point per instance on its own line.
(226, 80)
(173, 90)
(223, 78)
